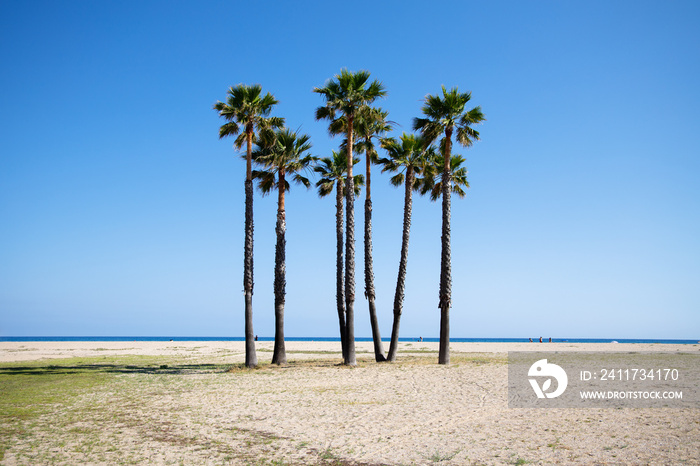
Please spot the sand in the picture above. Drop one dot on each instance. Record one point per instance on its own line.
(28, 351)
(314, 411)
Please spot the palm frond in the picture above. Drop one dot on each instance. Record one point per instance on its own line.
(325, 113)
(324, 167)
(456, 189)
(397, 180)
(472, 117)
(325, 186)
(388, 165)
(417, 183)
(429, 129)
(266, 104)
(338, 126)
(387, 141)
(266, 181)
(266, 137)
(229, 129)
(375, 90)
(275, 122)
(459, 178)
(240, 141)
(425, 184)
(302, 180)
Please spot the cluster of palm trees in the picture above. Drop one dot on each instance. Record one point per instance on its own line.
(417, 162)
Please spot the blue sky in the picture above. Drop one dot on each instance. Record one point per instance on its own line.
(122, 212)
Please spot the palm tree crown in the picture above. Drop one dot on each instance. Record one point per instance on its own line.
(432, 181)
(285, 155)
(333, 169)
(408, 152)
(247, 107)
(446, 113)
(346, 93)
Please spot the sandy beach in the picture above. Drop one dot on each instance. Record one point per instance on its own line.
(192, 403)
(234, 351)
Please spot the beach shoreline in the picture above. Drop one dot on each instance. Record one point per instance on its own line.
(235, 350)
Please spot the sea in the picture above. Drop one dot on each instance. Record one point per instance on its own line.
(455, 340)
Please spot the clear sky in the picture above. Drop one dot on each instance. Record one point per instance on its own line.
(121, 212)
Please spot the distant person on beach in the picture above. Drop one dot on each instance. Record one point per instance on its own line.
(540, 339)
(420, 338)
(550, 339)
(256, 338)
(531, 340)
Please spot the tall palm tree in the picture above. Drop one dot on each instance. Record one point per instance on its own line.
(333, 171)
(446, 115)
(283, 158)
(345, 95)
(246, 107)
(408, 158)
(370, 123)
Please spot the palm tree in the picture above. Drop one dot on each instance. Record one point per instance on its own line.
(409, 159)
(246, 107)
(370, 123)
(333, 171)
(446, 115)
(345, 95)
(284, 157)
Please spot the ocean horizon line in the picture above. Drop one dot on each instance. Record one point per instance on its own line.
(357, 339)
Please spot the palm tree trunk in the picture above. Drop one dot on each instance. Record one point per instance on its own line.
(251, 359)
(401, 279)
(279, 355)
(339, 290)
(369, 273)
(350, 255)
(445, 259)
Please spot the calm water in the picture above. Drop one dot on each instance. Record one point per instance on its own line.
(457, 340)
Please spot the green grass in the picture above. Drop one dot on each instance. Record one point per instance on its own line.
(438, 456)
(30, 390)
(557, 445)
